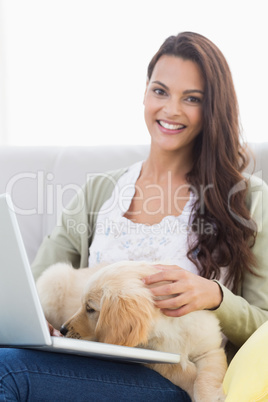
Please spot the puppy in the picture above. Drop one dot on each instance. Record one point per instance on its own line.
(118, 308)
(60, 288)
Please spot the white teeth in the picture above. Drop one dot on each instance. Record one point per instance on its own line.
(170, 126)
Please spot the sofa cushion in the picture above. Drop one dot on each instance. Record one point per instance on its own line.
(247, 376)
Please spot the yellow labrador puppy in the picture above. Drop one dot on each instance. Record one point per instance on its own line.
(111, 304)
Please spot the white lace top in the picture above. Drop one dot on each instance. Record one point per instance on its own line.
(118, 238)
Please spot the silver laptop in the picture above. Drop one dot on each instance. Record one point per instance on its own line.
(22, 322)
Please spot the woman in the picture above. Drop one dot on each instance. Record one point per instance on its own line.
(192, 181)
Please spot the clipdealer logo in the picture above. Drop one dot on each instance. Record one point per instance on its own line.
(47, 197)
(256, 199)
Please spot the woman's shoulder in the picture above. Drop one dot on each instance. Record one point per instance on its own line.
(257, 194)
(109, 177)
(255, 182)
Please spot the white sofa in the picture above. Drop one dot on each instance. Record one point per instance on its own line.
(43, 179)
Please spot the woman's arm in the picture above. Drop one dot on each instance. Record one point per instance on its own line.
(240, 315)
(65, 242)
(70, 240)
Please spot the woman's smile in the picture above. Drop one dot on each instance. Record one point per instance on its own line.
(170, 128)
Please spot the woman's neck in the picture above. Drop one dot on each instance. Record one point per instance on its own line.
(158, 165)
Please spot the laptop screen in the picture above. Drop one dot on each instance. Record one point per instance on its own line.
(21, 315)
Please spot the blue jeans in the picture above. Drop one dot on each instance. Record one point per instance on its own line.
(28, 375)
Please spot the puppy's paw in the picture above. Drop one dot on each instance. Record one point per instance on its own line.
(220, 397)
(216, 395)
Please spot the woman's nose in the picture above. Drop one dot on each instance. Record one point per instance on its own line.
(173, 107)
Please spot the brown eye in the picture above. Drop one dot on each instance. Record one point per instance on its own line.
(193, 99)
(90, 310)
(159, 91)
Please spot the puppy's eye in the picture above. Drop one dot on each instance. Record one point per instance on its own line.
(90, 310)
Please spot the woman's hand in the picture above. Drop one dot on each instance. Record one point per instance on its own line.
(185, 292)
(53, 331)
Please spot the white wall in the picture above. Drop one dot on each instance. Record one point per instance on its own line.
(73, 71)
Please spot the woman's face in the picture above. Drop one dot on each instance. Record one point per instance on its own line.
(173, 103)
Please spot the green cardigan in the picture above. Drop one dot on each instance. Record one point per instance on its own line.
(240, 315)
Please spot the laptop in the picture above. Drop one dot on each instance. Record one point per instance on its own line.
(22, 321)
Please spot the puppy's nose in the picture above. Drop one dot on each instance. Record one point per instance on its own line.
(63, 330)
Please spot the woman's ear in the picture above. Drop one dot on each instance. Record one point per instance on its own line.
(124, 321)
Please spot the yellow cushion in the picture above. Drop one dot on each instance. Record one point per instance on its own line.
(246, 379)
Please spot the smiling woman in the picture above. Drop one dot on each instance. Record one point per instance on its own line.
(197, 159)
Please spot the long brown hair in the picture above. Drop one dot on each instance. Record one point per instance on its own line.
(219, 160)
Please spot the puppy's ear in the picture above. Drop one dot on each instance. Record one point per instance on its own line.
(124, 321)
